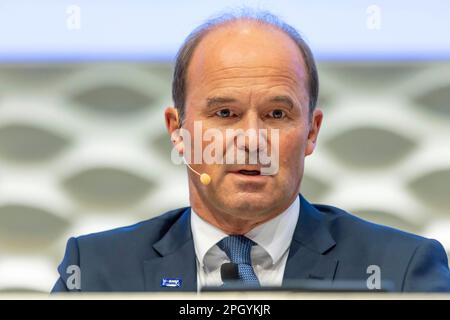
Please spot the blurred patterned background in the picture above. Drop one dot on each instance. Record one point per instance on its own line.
(83, 146)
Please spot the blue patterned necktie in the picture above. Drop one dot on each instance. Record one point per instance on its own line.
(238, 249)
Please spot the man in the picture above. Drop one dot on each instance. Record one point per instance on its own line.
(249, 71)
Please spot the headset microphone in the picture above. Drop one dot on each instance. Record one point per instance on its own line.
(204, 177)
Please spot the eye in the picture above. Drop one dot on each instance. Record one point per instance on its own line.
(224, 113)
(277, 114)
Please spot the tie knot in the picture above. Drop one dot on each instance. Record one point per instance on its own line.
(237, 248)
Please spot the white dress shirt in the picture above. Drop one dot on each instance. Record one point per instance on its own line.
(269, 255)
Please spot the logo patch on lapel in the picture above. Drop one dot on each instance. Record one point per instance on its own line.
(171, 282)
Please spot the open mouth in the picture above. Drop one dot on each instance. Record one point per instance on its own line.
(250, 172)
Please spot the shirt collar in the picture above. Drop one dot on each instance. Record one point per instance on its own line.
(205, 236)
(274, 236)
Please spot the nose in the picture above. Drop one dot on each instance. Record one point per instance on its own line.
(255, 137)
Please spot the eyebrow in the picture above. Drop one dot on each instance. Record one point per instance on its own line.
(214, 101)
(217, 101)
(283, 99)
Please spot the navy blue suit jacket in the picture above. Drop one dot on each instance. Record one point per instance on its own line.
(328, 244)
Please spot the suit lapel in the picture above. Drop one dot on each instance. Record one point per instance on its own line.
(177, 260)
(307, 254)
(311, 240)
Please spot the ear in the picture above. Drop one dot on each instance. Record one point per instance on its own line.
(314, 129)
(173, 128)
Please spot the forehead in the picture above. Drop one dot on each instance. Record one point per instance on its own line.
(246, 53)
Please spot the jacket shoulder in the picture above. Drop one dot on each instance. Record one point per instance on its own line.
(411, 262)
(146, 232)
(112, 260)
(345, 224)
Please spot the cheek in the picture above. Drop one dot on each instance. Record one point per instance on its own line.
(292, 148)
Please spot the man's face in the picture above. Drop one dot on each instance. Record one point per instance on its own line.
(244, 76)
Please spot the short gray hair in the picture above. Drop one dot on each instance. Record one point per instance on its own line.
(186, 51)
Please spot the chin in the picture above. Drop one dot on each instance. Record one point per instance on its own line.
(254, 203)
